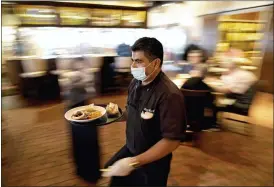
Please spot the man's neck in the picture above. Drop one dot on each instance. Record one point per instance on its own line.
(151, 77)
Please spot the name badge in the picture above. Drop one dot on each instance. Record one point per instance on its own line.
(147, 113)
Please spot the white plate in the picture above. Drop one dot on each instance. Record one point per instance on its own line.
(69, 113)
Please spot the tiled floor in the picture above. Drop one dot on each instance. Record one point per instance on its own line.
(38, 149)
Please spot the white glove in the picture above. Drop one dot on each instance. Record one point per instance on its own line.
(122, 167)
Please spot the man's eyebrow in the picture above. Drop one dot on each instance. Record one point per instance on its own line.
(137, 59)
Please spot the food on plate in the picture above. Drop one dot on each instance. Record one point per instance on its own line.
(78, 115)
(88, 113)
(112, 109)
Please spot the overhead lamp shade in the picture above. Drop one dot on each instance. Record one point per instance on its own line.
(10, 20)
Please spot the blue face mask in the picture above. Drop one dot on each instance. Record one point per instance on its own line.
(139, 73)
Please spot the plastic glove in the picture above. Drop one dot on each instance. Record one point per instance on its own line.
(122, 167)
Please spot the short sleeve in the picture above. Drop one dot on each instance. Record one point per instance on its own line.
(240, 82)
(245, 81)
(173, 117)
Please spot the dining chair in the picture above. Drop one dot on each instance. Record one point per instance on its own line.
(195, 104)
(237, 118)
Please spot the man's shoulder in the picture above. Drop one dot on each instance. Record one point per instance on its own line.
(167, 87)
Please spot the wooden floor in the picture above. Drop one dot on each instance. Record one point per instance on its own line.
(37, 147)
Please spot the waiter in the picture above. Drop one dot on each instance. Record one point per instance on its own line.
(156, 121)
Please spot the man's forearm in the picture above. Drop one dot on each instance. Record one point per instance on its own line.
(158, 151)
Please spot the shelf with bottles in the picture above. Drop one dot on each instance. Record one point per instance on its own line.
(241, 37)
(245, 46)
(241, 27)
(74, 16)
(133, 18)
(246, 54)
(37, 15)
(248, 63)
(106, 17)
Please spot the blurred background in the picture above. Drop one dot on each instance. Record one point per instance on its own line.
(49, 48)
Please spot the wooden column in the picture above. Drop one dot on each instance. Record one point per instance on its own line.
(266, 73)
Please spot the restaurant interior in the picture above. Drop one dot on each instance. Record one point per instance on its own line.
(43, 41)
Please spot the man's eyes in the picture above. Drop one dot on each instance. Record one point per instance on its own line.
(137, 61)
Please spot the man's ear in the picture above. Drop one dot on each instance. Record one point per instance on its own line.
(157, 63)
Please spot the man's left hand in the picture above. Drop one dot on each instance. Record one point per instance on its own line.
(122, 167)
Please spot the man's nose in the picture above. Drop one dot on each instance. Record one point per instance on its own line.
(134, 64)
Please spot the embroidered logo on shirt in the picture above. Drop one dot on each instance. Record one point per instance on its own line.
(147, 113)
(148, 110)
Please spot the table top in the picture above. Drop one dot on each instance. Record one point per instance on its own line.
(59, 72)
(122, 70)
(216, 70)
(92, 70)
(33, 74)
(183, 76)
(180, 79)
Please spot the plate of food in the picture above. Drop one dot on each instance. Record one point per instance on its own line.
(85, 114)
(112, 110)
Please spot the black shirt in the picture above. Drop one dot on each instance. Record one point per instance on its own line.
(196, 83)
(164, 101)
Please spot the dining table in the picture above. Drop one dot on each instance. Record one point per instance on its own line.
(180, 79)
(221, 100)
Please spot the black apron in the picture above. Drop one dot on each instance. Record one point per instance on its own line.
(140, 138)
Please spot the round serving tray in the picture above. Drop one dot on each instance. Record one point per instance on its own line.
(104, 120)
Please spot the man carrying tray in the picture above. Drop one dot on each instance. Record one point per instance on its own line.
(156, 121)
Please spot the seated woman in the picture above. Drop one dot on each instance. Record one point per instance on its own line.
(193, 55)
(197, 76)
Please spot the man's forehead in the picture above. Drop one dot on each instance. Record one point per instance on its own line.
(138, 54)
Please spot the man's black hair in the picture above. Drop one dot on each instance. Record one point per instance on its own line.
(151, 46)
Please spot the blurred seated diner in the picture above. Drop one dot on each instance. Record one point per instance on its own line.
(196, 82)
(78, 95)
(236, 81)
(237, 86)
